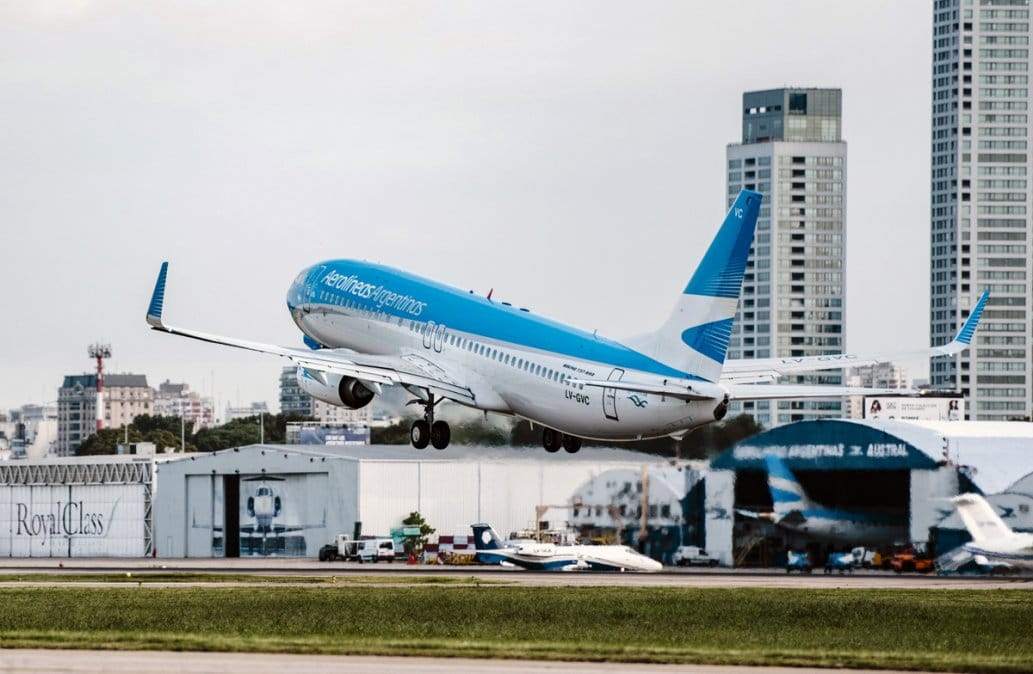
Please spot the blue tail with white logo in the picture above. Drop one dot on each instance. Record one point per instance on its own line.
(695, 337)
(787, 495)
(487, 544)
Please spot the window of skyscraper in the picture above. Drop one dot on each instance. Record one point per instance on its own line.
(798, 104)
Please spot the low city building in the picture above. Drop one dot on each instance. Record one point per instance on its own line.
(126, 396)
(252, 410)
(177, 400)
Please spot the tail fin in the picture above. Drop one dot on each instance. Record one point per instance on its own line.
(485, 538)
(787, 494)
(980, 518)
(695, 337)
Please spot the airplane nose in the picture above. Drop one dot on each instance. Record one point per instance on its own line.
(298, 292)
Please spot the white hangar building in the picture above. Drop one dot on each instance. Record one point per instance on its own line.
(90, 506)
(289, 500)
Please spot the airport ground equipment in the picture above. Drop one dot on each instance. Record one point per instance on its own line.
(691, 555)
(344, 548)
(911, 559)
(798, 561)
(842, 562)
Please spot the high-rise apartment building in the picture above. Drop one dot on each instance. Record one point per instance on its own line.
(125, 397)
(792, 302)
(980, 205)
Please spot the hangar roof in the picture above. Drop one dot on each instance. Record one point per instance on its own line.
(454, 453)
(994, 452)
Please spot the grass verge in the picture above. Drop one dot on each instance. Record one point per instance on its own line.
(945, 630)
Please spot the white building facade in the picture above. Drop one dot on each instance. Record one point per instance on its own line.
(793, 295)
(980, 201)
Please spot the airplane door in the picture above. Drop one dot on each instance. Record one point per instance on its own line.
(439, 337)
(428, 334)
(610, 395)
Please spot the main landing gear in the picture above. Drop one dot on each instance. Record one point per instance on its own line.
(552, 440)
(427, 431)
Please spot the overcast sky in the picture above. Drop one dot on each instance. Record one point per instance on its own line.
(568, 154)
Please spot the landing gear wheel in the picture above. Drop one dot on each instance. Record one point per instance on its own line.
(419, 434)
(551, 440)
(440, 434)
(571, 443)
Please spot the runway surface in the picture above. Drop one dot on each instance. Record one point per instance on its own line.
(399, 573)
(158, 662)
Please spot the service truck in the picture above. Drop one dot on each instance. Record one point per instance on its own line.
(362, 550)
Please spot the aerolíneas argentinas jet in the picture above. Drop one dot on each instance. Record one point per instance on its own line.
(794, 511)
(369, 326)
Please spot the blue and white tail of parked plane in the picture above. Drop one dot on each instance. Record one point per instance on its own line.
(367, 326)
(797, 513)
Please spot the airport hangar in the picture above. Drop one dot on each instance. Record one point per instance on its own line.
(909, 467)
(289, 500)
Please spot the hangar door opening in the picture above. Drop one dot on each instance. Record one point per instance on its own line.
(881, 496)
(231, 510)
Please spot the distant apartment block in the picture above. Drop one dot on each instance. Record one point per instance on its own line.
(882, 375)
(793, 299)
(126, 396)
(252, 410)
(177, 400)
(980, 207)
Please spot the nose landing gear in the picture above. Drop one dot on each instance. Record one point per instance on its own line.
(428, 431)
(552, 440)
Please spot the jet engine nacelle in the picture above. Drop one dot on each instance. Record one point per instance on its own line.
(338, 390)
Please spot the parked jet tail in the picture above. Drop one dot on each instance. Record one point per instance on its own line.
(980, 518)
(695, 337)
(485, 538)
(787, 495)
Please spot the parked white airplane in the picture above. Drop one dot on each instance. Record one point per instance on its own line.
(367, 326)
(993, 542)
(550, 557)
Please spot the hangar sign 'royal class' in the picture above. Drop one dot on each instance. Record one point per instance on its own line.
(62, 520)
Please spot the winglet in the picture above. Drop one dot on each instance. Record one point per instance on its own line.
(154, 309)
(967, 330)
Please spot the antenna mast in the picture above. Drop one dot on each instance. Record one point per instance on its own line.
(99, 352)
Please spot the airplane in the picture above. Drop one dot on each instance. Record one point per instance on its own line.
(796, 513)
(550, 557)
(993, 543)
(367, 326)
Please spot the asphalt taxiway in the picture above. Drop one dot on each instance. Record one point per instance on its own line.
(40, 661)
(400, 573)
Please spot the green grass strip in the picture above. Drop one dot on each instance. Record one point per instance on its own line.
(946, 630)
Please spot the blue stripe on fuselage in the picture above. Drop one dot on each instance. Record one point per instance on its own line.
(466, 312)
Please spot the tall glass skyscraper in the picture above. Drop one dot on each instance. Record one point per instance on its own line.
(792, 302)
(980, 207)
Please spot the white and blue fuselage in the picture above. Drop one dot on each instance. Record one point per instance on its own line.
(513, 361)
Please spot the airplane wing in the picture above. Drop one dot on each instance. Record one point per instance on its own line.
(407, 369)
(770, 369)
(795, 391)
